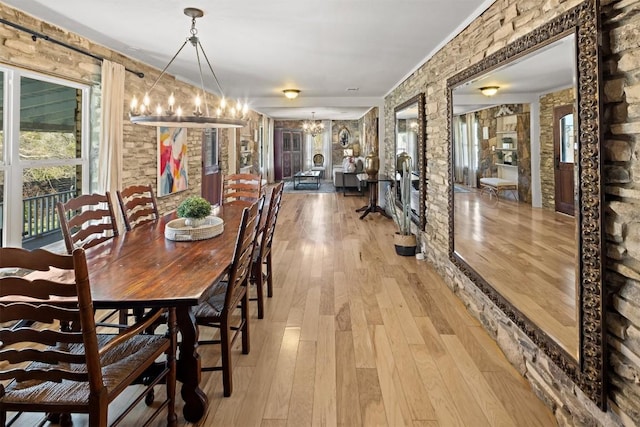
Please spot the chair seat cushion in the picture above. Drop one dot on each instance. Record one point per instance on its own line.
(211, 308)
(117, 364)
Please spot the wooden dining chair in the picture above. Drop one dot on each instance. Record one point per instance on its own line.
(138, 204)
(45, 368)
(87, 220)
(241, 188)
(229, 295)
(262, 252)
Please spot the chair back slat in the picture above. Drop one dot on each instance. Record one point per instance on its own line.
(138, 204)
(42, 336)
(37, 312)
(54, 375)
(50, 351)
(241, 187)
(87, 220)
(49, 356)
(243, 253)
(40, 289)
(42, 260)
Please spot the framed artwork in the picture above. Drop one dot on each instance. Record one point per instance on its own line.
(343, 137)
(173, 160)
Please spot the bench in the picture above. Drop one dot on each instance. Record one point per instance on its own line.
(496, 185)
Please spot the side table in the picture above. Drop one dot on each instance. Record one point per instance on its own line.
(372, 183)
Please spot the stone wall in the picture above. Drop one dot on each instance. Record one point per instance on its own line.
(336, 148)
(140, 142)
(502, 23)
(547, 171)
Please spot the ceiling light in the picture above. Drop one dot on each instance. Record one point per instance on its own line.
(291, 93)
(313, 127)
(225, 115)
(489, 90)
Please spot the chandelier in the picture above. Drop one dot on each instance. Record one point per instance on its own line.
(313, 127)
(198, 115)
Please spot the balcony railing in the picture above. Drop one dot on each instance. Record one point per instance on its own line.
(41, 225)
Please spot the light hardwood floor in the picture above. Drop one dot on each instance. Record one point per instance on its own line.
(526, 254)
(358, 336)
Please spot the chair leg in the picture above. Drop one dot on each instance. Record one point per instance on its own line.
(3, 418)
(246, 346)
(225, 350)
(259, 281)
(269, 276)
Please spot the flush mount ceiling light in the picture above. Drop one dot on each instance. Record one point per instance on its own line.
(225, 115)
(489, 90)
(291, 93)
(313, 127)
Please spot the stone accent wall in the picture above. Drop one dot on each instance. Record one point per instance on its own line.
(336, 148)
(502, 23)
(370, 124)
(547, 171)
(140, 142)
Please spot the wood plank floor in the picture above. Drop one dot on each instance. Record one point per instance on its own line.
(358, 336)
(526, 254)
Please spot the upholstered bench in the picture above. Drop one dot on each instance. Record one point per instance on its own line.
(495, 185)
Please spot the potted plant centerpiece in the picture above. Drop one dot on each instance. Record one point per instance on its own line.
(404, 240)
(194, 209)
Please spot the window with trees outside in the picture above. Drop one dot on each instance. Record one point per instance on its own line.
(44, 155)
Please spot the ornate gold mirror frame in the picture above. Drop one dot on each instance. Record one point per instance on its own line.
(419, 218)
(588, 372)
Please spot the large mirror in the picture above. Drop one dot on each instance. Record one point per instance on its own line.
(409, 145)
(525, 188)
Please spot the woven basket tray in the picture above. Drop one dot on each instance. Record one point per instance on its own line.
(178, 231)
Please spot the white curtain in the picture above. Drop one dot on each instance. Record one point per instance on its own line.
(111, 117)
(466, 146)
(268, 152)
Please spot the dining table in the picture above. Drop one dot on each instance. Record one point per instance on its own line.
(143, 269)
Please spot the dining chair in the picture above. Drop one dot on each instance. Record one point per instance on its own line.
(241, 188)
(229, 295)
(87, 220)
(262, 252)
(138, 204)
(46, 368)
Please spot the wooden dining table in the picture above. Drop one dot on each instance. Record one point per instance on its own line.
(140, 268)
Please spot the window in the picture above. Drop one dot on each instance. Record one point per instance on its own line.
(44, 153)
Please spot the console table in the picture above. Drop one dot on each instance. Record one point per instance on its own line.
(372, 183)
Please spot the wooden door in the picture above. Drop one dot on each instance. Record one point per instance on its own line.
(211, 176)
(564, 147)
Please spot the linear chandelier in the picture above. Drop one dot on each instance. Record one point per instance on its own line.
(312, 127)
(225, 115)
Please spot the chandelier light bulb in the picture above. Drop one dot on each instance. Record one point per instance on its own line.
(166, 115)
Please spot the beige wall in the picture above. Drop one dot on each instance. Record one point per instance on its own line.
(501, 24)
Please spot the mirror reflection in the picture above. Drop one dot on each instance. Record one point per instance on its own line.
(409, 128)
(514, 166)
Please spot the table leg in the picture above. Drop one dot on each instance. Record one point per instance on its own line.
(188, 367)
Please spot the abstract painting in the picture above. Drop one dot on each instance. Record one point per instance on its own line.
(172, 160)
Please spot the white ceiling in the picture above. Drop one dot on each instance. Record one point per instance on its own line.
(258, 47)
(543, 71)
